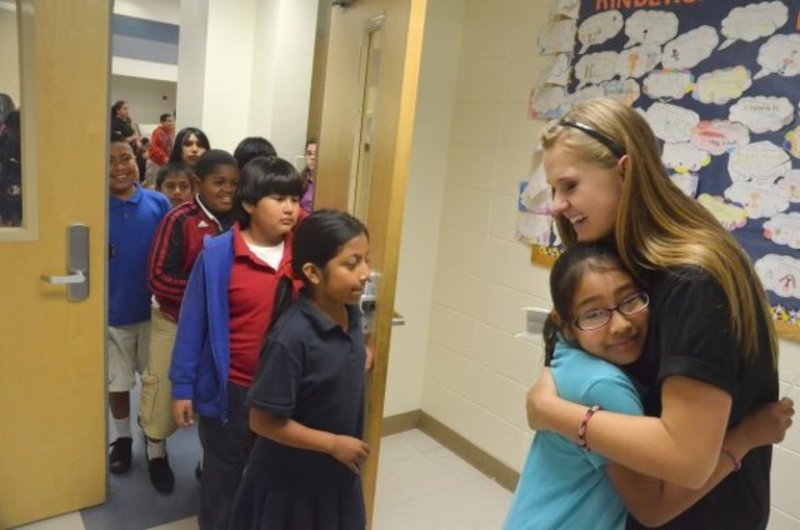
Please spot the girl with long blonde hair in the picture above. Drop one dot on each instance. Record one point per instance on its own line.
(711, 352)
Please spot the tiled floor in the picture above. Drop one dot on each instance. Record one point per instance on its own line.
(421, 486)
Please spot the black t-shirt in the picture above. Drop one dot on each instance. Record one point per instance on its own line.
(122, 127)
(690, 335)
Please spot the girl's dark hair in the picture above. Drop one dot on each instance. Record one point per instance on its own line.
(169, 169)
(210, 160)
(164, 117)
(318, 239)
(252, 147)
(181, 138)
(115, 107)
(264, 176)
(565, 279)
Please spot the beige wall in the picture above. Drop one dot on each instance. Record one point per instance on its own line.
(476, 373)
(9, 55)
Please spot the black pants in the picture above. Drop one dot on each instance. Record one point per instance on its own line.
(225, 451)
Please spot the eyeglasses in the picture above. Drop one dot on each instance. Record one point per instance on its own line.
(613, 146)
(597, 318)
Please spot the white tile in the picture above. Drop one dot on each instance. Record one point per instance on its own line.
(781, 521)
(70, 521)
(415, 477)
(512, 167)
(481, 79)
(472, 166)
(443, 404)
(467, 209)
(516, 271)
(518, 359)
(789, 361)
(494, 7)
(452, 329)
(190, 523)
(395, 447)
(492, 434)
(455, 465)
(486, 35)
(527, 72)
(420, 441)
(448, 368)
(502, 306)
(497, 394)
(785, 473)
(463, 250)
(476, 123)
(517, 131)
(503, 218)
(460, 291)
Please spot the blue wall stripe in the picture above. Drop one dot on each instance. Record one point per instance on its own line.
(144, 50)
(140, 28)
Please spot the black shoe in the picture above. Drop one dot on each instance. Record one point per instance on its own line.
(119, 460)
(198, 470)
(161, 475)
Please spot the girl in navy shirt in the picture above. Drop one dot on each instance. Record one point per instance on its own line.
(307, 402)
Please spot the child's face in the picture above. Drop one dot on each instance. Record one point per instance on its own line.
(272, 217)
(216, 189)
(311, 156)
(123, 172)
(177, 187)
(192, 150)
(344, 276)
(621, 339)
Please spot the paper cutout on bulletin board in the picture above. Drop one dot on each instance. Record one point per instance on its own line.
(717, 80)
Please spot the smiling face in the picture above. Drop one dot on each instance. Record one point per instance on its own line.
(271, 218)
(621, 340)
(123, 173)
(586, 195)
(216, 189)
(191, 150)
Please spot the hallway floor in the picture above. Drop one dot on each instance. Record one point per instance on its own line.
(421, 486)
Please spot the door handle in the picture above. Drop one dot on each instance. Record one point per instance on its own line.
(398, 320)
(77, 279)
(71, 279)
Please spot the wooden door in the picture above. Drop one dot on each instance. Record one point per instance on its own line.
(52, 361)
(367, 119)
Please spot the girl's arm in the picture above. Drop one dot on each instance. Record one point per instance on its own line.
(350, 451)
(681, 447)
(654, 502)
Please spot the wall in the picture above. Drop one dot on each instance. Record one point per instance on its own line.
(9, 53)
(147, 98)
(424, 198)
(477, 373)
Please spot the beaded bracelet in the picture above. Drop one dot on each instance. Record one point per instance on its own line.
(582, 427)
(737, 464)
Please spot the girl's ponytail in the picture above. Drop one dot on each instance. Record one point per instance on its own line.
(284, 297)
(550, 335)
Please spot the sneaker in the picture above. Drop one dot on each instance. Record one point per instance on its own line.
(161, 475)
(119, 460)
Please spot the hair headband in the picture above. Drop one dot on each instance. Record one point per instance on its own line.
(613, 146)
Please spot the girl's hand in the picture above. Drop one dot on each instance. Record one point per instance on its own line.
(350, 451)
(767, 425)
(183, 412)
(541, 396)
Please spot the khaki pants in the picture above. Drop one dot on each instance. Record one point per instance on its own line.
(155, 405)
(127, 355)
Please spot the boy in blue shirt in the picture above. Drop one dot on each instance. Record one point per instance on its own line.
(134, 215)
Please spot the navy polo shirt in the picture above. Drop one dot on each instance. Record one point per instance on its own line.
(132, 224)
(312, 371)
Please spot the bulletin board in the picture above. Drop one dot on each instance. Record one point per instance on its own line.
(719, 83)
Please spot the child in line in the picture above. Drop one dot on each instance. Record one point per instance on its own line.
(599, 322)
(176, 182)
(307, 403)
(175, 248)
(224, 317)
(308, 175)
(252, 147)
(190, 144)
(134, 215)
